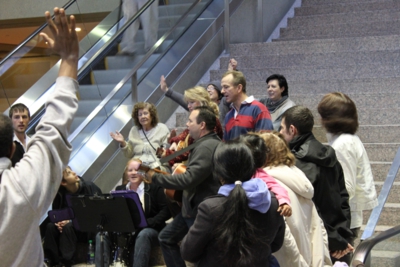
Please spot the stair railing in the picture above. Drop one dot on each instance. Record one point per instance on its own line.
(367, 242)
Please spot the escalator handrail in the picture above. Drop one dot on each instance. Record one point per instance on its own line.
(365, 247)
(119, 85)
(31, 36)
(383, 195)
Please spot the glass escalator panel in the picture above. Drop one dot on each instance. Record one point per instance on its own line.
(30, 69)
(108, 82)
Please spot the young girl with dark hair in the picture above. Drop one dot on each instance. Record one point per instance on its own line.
(239, 226)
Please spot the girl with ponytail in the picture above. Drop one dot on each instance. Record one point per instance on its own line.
(240, 226)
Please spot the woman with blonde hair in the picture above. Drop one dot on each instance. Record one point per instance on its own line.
(306, 242)
(193, 97)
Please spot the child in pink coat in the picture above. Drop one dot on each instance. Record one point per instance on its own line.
(260, 151)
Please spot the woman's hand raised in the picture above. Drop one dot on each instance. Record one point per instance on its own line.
(117, 136)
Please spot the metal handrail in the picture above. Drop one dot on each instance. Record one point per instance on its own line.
(364, 248)
(30, 37)
(383, 195)
(96, 111)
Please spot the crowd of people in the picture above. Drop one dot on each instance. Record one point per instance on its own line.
(258, 188)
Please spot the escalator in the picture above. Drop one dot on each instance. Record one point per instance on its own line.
(191, 40)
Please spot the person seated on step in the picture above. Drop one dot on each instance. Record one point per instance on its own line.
(60, 239)
(320, 165)
(145, 137)
(193, 97)
(134, 250)
(240, 226)
(340, 119)
(306, 243)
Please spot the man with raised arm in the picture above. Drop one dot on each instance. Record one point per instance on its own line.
(27, 190)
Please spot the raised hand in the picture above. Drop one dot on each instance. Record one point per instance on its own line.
(65, 40)
(163, 84)
(117, 136)
(232, 64)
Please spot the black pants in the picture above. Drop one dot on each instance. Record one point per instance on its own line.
(61, 247)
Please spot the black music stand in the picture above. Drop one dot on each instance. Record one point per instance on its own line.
(102, 213)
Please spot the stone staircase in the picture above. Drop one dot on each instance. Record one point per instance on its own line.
(351, 46)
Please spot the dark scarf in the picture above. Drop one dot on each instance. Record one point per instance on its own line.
(274, 105)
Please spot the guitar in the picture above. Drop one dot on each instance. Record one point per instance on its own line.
(170, 193)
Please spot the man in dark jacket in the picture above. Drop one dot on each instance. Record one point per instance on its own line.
(320, 165)
(197, 182)
(61, 238)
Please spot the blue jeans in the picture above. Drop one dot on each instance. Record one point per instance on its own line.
(145, 240)
(169, 238)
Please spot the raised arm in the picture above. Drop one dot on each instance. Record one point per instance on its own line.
(64, 41)
(177, 97)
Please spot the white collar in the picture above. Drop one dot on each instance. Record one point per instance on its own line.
(140, 187)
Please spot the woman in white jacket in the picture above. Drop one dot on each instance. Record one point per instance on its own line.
(340, 119)
(306, 242)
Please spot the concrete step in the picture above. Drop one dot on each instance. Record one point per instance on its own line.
(356, 44)
(316, 59)
(390, 214)
(381, 152)
(362, 100)
(394, 194)
(381, 258)
(329, 2)
(373, 116)
(346, 7)
(343, 18)
(367, 133)
(320, 73)
(380, 171)
(341, 30)
(324, 86)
